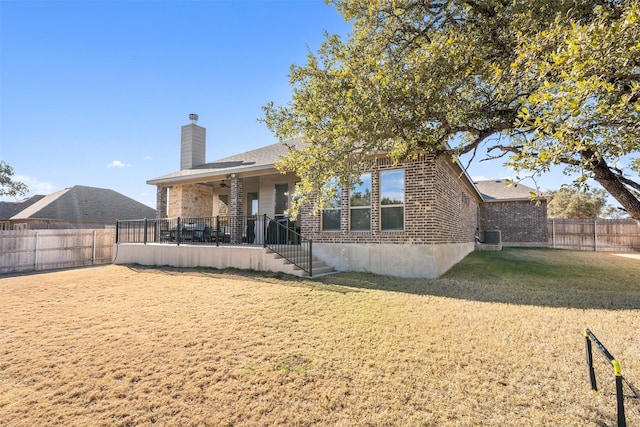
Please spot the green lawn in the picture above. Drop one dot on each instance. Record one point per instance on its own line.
(546, 277)
(498, 341)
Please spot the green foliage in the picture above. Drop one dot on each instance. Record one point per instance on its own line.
(572, 203)
(9, 187)
(538, 83)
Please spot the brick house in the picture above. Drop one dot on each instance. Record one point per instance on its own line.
(415, 219)
(516, 210)
(74, 207)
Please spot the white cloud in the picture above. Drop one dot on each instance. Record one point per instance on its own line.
(35, 187)
(147, 157)
(118, 164)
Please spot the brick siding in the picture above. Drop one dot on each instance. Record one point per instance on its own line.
(519, 221)
(438, 208)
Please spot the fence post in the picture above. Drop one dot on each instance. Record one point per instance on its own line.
(217, 230)
(264, 231)
(310, 258)
(589, 336)
(35, 256)
(178, 232)
(117, 229)
(595, 235)
(93, 249)
(592, 372)
(553, 232)
(145, 231)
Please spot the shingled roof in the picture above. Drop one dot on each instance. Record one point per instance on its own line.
(251, 161)
(85, 204)
(9, 209)
(501, 189)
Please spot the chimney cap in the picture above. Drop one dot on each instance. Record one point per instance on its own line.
(194, 118)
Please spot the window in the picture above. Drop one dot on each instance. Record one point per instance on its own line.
(331, 215)
(360, 204)
(252, 203)
(392, 200)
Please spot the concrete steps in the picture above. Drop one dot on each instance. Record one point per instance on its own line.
(289, 260)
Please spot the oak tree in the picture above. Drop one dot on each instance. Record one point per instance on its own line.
(8, 186)
(535, 82)
(571, 203)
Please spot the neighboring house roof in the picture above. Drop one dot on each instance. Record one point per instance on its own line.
(501, 189)
(251, 161)
(9, 209)
(80, 203)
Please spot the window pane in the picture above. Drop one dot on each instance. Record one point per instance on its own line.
(282, 198)
(331, 220)
(360, 219)
(392, 218)
(333, 190)
(392, 187)
(252, 203)
(361, 193)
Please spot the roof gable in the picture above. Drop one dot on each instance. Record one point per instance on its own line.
(80, 203)
(9, 209)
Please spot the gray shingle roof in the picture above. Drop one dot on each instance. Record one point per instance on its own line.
(499, 189)
(91, 204)
(9, 209)
(255, 160)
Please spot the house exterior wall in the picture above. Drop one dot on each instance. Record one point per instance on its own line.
(267, 192)
(438, 209)
(191, 200)
(409, 261)
(520, 222)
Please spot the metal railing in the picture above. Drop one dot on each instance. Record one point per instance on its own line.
(280, 236)
(283, 239)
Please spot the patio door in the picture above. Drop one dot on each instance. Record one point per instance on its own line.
(252, 204)
(282, 200)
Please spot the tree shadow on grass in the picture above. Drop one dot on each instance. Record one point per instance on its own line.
(537, 277)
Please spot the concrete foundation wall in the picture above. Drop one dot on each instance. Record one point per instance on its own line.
(254, 258)
(410, 261)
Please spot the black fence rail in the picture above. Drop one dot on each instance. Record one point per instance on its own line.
(280, 236)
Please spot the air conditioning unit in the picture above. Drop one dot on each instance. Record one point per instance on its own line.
(492, 237)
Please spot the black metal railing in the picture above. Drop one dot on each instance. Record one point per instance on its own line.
(279, 235)
(284, 239)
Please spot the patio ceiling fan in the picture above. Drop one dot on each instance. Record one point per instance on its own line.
(220, 185)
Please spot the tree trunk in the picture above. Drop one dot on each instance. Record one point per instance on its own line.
(611, 183)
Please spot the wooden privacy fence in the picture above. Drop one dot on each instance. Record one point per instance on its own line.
(594, 234)
(32, 250)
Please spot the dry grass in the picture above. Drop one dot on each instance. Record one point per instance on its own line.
(130, 346)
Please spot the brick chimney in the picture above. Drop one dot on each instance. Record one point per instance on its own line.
(193, 144)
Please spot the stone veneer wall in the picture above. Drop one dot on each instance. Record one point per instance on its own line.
(161, 201)
(235, 208)
(191, 200)
(438, 208)
(519, 221)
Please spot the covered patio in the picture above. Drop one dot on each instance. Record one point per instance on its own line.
(255, 242)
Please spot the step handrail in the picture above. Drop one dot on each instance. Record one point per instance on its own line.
(282, 239)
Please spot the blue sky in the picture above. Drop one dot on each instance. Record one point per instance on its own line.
(94, 92)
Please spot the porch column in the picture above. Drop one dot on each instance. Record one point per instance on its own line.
(235, 209)
(161, 201)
